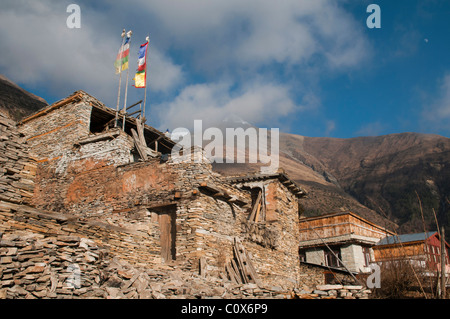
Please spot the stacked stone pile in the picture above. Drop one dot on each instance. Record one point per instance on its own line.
(333, 292)
(38, 266)
(34, 266)
(48, 255)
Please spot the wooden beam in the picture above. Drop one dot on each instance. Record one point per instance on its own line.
(99, 137)
(159, 205)
(217, 191)
(139, 147)
(131, 106)
(258, 199)
(244, 262)
(237, 272)
(257, 211)
(135, 112)
(202, 267)
(233, 276)
(140, 131)
(250, 268)
(53, 107)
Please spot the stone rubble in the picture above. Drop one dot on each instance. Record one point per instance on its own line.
(34, 266)
(46, 261)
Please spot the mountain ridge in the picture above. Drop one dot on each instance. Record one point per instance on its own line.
(390, 179)
(394, 174)
(16, 101)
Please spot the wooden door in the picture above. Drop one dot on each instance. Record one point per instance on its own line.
(167, 235)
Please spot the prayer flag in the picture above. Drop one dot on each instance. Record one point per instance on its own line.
(140, 77)
(121, 63)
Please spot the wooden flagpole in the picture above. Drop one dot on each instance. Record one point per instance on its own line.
(126, 87)
(120, 78)
(143, 119)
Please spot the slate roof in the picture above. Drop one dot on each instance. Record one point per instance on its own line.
(405, 238)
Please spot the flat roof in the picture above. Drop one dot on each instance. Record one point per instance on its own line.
(293, 187)
(324, 216)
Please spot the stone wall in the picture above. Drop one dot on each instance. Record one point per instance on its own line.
(49, 255)
(17, 170)
(65, 123)
(205, 224)
(155, 203)
(43, 254)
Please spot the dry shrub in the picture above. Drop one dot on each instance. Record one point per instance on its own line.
(399, 280)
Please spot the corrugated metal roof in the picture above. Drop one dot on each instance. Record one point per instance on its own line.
(405, 238)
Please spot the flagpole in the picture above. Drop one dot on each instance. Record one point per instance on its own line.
(143, 119)
(126, 88)
(120, 78)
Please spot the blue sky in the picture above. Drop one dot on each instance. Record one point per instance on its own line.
(312, 68)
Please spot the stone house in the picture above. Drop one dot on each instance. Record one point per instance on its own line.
(161, 209)
(339, 241)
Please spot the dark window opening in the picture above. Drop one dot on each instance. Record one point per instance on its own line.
(332, 258)
(102, 120)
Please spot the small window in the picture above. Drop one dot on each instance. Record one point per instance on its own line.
(332, 258)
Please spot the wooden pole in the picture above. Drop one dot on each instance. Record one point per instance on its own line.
(125, 101)
(143, 118)
(126, 87)
(443, 255)
(120, 78)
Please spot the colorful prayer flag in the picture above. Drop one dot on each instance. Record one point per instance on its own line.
(140, 77)
(121, 63)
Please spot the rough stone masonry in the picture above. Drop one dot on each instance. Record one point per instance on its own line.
(77, 199)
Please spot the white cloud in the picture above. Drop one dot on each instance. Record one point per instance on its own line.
(436, 114)
(245, 52)
(162, 73)
(39, 49)
(330, 126)
(254, 32)
(371, 129)
(260, 103)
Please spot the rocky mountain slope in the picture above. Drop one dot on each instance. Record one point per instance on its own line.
(391, 180)
(17, 102)
(401, 176)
